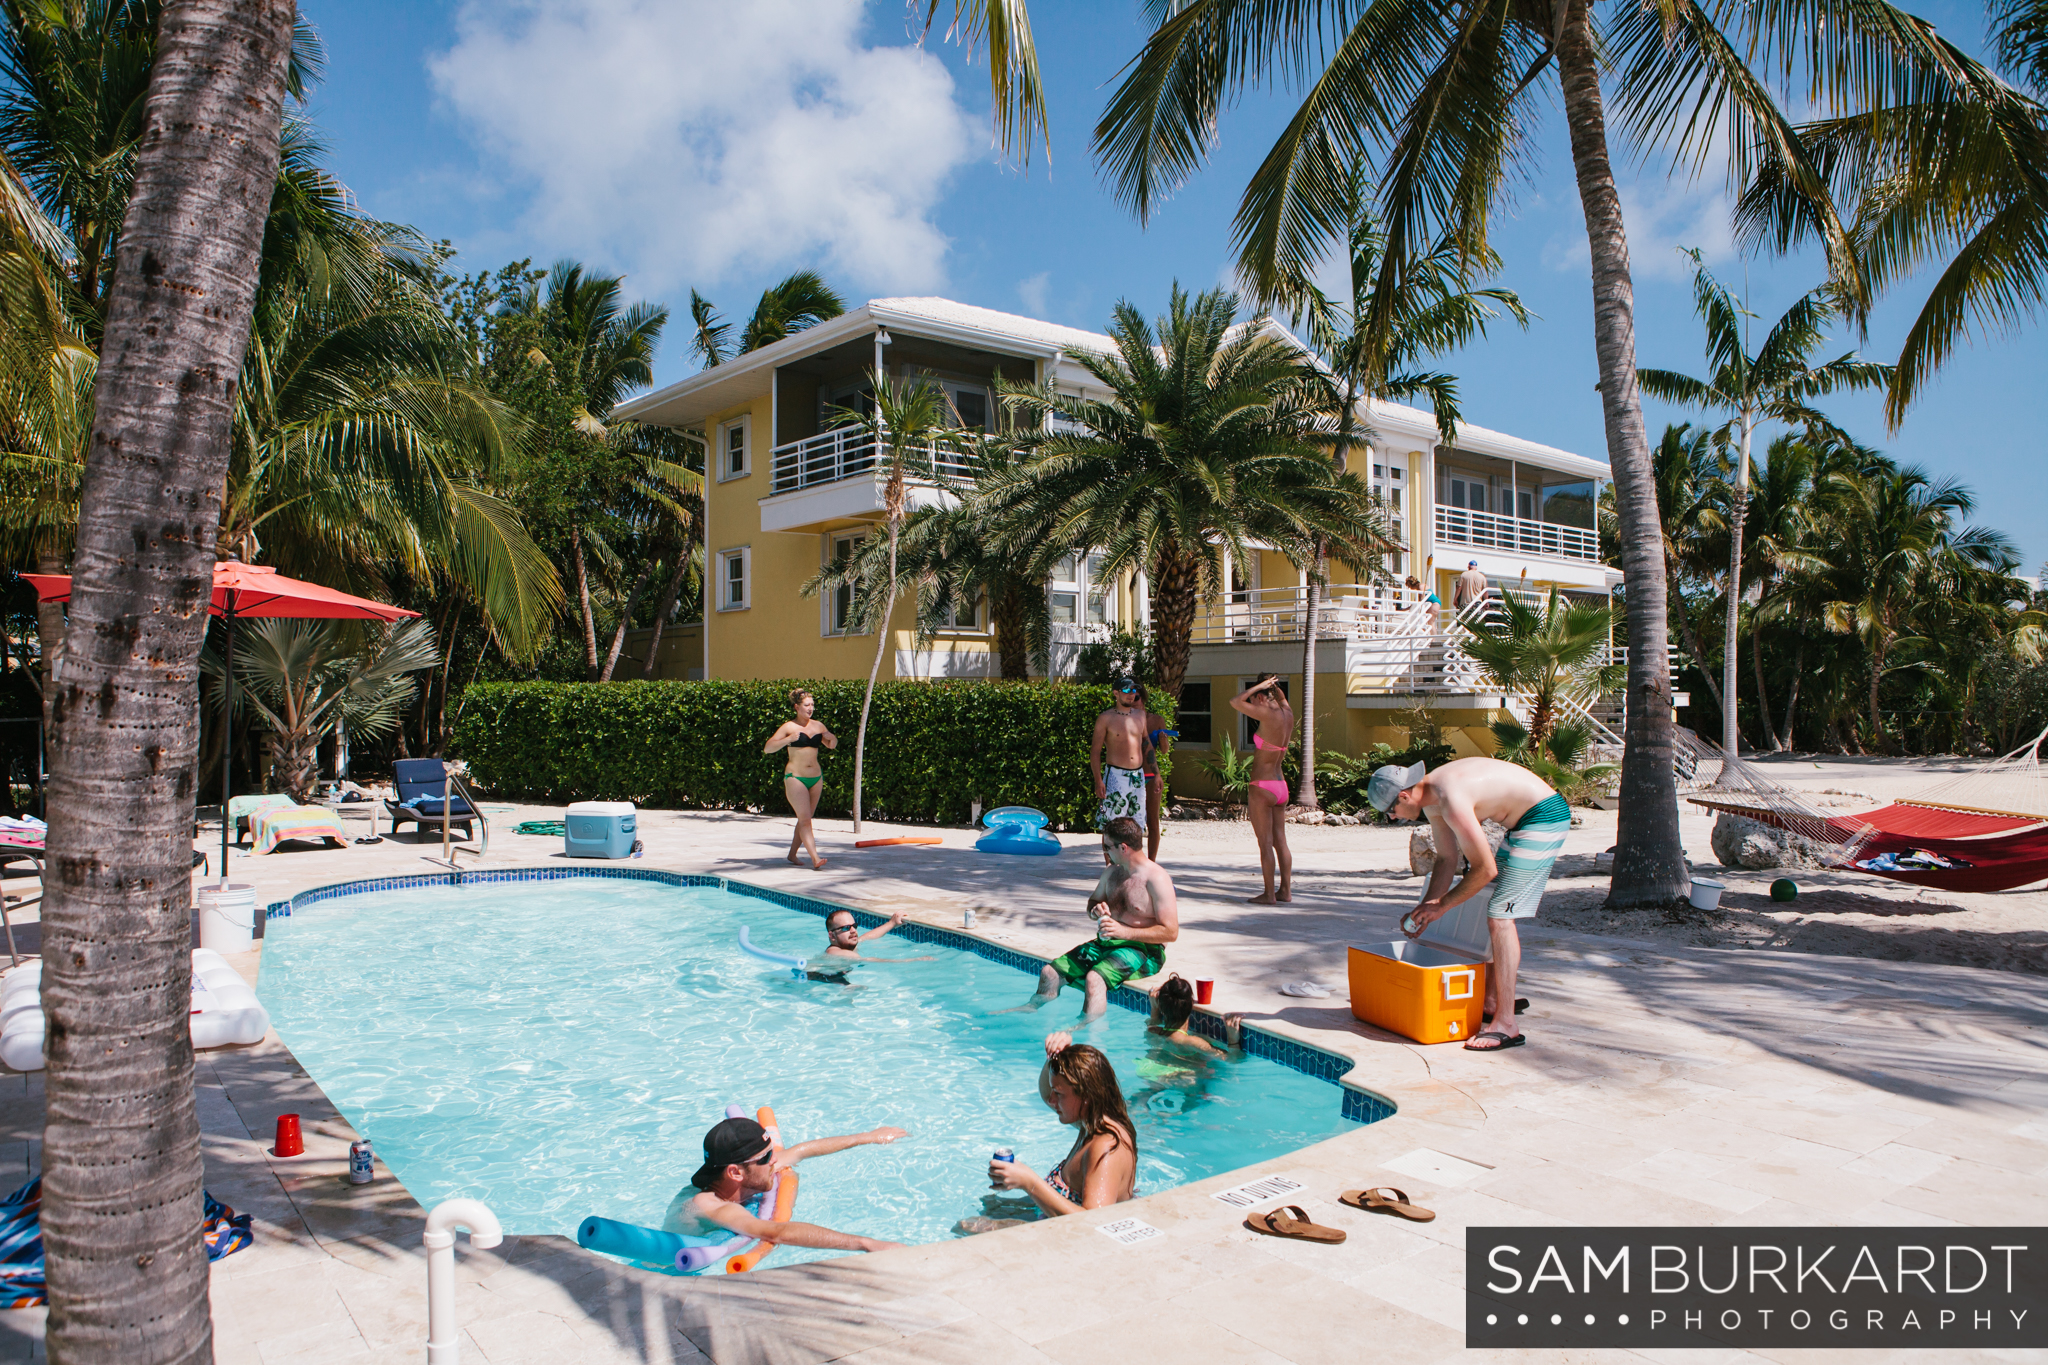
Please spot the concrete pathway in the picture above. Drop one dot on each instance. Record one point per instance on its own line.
(1661, 1086)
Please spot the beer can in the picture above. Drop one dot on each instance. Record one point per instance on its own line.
(362, 1162)
(1004, 1154)
(967, 920)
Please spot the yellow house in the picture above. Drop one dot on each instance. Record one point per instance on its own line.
(786, 493)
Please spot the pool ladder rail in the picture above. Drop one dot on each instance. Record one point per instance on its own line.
(452, 786)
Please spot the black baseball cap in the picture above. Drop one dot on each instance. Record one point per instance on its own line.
(733, 1142)
(1124, 684)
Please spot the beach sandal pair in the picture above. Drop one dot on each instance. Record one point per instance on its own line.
(1387, 1199)
(1293, 1223)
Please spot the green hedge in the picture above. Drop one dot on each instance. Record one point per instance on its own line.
(933, 747)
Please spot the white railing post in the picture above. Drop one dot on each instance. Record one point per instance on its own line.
(444, 1336)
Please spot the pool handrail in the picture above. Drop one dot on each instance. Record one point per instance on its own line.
(451, 785)
(444, 1334)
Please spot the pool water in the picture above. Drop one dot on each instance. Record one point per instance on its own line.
(558, 1049)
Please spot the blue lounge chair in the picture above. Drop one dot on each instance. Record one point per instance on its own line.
(422, 783)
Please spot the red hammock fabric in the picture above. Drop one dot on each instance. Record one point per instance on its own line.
(1998, 862)
(1926, 822)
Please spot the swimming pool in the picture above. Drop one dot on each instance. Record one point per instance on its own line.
(558, 1047)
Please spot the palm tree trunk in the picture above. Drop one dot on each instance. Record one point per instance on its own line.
(1792, 702)
(49, 618)
(665, 608)
(583, 603)
(1006, 610)
(611, 657)
(1738, 511)
(1877, 654)
(121, 1164)
(1305, 793)
(860, 742)
(1175, 588)
(1763, 696)
(1649, 864)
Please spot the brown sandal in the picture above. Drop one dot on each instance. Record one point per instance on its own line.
(1297, 1228)
(1378, 1201)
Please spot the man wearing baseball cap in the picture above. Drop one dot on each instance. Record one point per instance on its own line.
(1116, 757)
(1456, 798)
(742, 1160)
(1469, 586)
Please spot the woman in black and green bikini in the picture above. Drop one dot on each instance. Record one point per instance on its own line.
(801, 776)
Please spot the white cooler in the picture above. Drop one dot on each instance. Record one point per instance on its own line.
(599, 829)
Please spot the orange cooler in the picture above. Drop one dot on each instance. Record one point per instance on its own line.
(1431, 989)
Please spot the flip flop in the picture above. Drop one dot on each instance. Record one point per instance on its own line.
(1297, 1228)
(1376, 1201)
(1503, 1045)
(1521, 1004)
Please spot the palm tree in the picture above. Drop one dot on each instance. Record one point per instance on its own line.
(797, 303)
(1555, 656)
(908, 421)
(1683, 468)
(1436, 312)
(1781, 515)
(128, 1280)
(1212, 439)
(305, 677)
(591, 350)
(1901, 550)
(1777, 384)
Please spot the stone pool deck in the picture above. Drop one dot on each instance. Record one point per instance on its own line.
(1661, 1086)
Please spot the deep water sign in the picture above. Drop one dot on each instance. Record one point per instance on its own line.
(1750, 1288)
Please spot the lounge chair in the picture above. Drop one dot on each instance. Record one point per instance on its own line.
(422, 783)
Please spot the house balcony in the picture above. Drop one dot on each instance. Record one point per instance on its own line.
(1515, 535)
(838, 476)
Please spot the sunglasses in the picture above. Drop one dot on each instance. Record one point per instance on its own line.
(842, 928)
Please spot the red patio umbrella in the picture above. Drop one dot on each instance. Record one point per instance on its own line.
(250, 590)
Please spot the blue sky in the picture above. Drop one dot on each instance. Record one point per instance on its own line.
(700, 143)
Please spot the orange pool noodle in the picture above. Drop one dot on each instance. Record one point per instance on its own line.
(785, 1204)
(902, 839)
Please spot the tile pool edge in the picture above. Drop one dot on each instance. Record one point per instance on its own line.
(1357, 1103)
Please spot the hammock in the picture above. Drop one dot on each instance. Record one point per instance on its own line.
(1979, 831)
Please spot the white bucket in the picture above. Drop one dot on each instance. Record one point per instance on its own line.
(227, 917)
(1706, 894)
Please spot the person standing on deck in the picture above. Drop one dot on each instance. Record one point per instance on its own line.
(1469, 587)
(1116, 757)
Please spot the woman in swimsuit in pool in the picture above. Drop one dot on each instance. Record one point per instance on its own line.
(1265, 703)
(1079, 1084)
(802, 776)
(1158, 738)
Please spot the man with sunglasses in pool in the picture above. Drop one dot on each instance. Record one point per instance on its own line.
(843, 939)
(741, 1160)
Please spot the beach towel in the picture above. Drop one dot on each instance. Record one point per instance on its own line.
(21, 1242)
(269, 828)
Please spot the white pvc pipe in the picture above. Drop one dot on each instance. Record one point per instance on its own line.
(444, 1338)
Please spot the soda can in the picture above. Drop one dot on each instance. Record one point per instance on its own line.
(362, 1162)
(967, 920)
(1004, 1154)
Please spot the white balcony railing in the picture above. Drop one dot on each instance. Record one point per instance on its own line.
(845, 453)
(1516, 535)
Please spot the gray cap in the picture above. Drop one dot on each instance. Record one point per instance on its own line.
(1390, 781)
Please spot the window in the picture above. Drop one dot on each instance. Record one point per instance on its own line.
(839, 609)
(732, 449)
(1570, 504)
(1527, 510)
(1246, 726)
(1066, 591)
(972, 405)
(962, 616)
(1101, 605)
(1192, 717)
(732, 580)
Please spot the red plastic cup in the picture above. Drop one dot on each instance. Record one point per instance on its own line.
(289, 1141)
(1205, 987)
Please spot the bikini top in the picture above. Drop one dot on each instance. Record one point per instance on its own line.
(808, 742)
(1157, 733)
(1258, 743)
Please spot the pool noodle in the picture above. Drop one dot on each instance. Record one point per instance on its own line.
(797, 965)
(785, 1203)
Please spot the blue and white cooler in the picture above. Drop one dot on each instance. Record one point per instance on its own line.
(599, 829)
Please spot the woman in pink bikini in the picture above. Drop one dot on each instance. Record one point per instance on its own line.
(1265, 703)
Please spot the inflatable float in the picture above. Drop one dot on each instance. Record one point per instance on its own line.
(224, 1010)
(798, 967)
(899, 840)
(678, 1253)
(1017, 829)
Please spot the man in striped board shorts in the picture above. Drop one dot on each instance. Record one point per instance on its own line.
(1456, 798)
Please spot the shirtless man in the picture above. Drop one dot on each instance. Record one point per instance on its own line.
(844, 937)
(1116, 756)
(743, 1159)
(1136, 917)
(1456, 797)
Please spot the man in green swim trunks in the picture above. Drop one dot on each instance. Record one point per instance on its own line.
(1456, 798)
(1136, 917)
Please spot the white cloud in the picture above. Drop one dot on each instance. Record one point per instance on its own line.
(1031, 292)
(1661, 213)
(688, 141)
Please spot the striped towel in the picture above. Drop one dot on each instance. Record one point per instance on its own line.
(21, 1242)
(272, 827)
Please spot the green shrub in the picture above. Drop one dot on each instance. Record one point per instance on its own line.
(1341, 780)
(933, 747)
